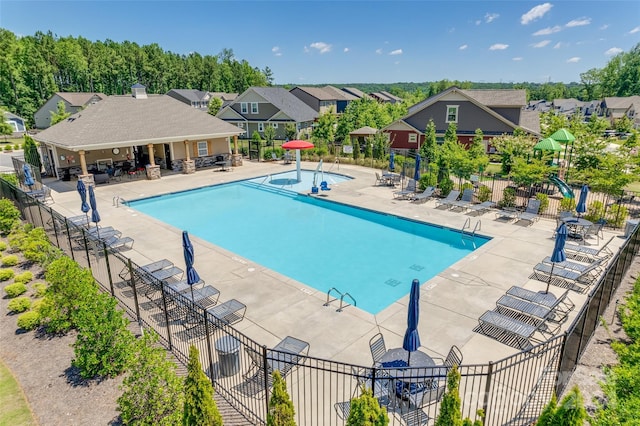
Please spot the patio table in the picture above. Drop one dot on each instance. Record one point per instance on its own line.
(576, 226)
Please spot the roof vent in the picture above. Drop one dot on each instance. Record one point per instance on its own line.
(138, 91)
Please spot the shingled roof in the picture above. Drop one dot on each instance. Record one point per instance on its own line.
(125, 120)
(287, 103)
(79, 99)
(499, 97)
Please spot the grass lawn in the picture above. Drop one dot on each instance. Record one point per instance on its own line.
(15, 410)
(633, 186)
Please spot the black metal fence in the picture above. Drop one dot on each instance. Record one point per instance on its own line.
(511, 391)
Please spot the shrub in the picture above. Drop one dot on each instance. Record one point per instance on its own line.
(9, 177)
(567, 204)
(484, 194)
(6, 274)
(365, 410)
(544, 202)
(35, 246)
(29, 320)
(281, 411)
(199, 405)
(616, 215)
(595, 211)
(3, 246)
(19, 304)
(9, 260)
(15, 290)
(8, 147)
(17, 235)
(446, 185)
(466, 185)
(9, 215)
(24, 277)
(40, 289)
(569, 412)
(508, 198)
(427, 180)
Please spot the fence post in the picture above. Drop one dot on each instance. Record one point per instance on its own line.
(86, 249)
(166, 313)
(206, 330)
(135, 294)
(55, 226)
(487, 388)
(66, 224)
(106, 258)
(265, 368)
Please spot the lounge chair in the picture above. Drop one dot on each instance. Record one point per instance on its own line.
(532, 313)
(465, 201)
(594, 231)
(508, 213)
(114, 242)
(481, 208)
(229, 312)
(531, 213)
(407, 192)
(452, 196)
(274, 157)
(588, 254)
(567, 278)
(567, 264)
(284, 357)
(511, 331)
(145, 269)
(562, 304)
(425, 195)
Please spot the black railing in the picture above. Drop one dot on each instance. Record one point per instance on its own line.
(512, 391)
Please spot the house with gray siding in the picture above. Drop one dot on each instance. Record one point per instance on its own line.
(17, 123)
(73, 102)
(194, 98)
(324, 99)
(495, 112)
(258, 107)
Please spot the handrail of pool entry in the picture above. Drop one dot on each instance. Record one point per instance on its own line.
(346, 306)
(470, 235)
(342, 296)
(265, 179)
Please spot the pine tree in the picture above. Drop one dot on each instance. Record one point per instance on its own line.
(571, 411)
(547, 417)
(450, 414)
(281, 411)
(199, 407)
(366, 411)
(31, 154)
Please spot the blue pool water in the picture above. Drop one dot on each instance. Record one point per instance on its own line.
(323, 244)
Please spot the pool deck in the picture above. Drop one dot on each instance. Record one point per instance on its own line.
(278, 306)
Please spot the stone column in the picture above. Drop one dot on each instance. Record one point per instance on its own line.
(186, 149)
(153, 172)
(85, 176)
(236, 159)
(188, 167)
(152, 159)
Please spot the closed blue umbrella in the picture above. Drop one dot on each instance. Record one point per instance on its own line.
(416, 173)
(95, 216)
(558, 254)
(189, 257)
(82, 190)
(28, 178)
(582, 201)
(392, 164)
(411, 340)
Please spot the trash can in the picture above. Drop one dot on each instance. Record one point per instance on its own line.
(228, 349)
(631, 225)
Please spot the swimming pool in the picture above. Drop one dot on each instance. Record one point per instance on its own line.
(323, 244)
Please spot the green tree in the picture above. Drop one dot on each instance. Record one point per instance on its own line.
(104, 345)
(269, 134)
(290, 131)
(281, 411)
(214, 106)
(152, 391)
(6, 129)
(511, 147)
(366, 411)
(429, 148)
(257, 139)
(31, 154)
(570, 411)
(199, 407)
(525, 173)
(60, 114)
(478, 152)
(324, 129)
(356, 149)
(450, 414)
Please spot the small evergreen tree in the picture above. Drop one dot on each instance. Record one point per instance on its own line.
(59, 114)
(356, 149)
(450, 414)
(547, 417)
(281, 411)
(366, 411)
(570, 411)
(214, 106)
(429, 148)
(152, 392)
(31, 154)
(199, 407)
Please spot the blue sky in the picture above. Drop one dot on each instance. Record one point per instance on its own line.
(309, 42)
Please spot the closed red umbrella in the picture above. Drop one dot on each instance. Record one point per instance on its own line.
(297, 145)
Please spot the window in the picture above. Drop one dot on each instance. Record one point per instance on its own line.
(244, 109)
(261, 127)
(452, 114)
(274, 125)
(413, 138)
(254, 107)
(202, 149)
(241, 125)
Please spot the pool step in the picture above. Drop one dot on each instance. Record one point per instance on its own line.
(269, 188)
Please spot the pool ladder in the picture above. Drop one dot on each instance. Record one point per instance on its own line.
(342, 297)
(467, 234)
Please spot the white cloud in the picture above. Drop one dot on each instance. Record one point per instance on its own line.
(535, 13)
(540, 44)
(558, 45)
(635, 30)
(379, 51)
(345, 50)
(517, 58)
(573, 60)
(321, 46)
(548, 30)
(276, 51)
(604, 27)
(498, 46)
(396, 52)
(613, 51)
(463, 47)
(490, 17)
(580, 22)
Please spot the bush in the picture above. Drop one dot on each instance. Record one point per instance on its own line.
(616, 215)
(6, 274)
(508, 198)
(567, 204)
(3, 246)
(544, 202)
(19, 304)
(40, 289)
(9, 215)
(446, 185)
(595, 211)
(8, 147)
(29, 320)
(366, 410)
(281, 411)
(24, 277)
(199, 406)
(427, 180)
(15, 290)
(484, 194)
(570, 411)
(9, 260)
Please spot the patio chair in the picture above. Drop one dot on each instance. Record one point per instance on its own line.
(409, 190)
(363, 377)
(452, 196)
(423, 396)
(508, 213)
(284, 357)
(567, 278)
(43, 194)
(588, 254)
(481, 208)
(378, 348)
(592, 231)
(465, 201)
(454, 357)
(379, 180)
(562, 304)
(531, 213)
(425, 195)
(512, 331)
(274, 157)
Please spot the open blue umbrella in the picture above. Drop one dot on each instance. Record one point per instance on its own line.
(95, 216)
(392, 164)
(416, 173)
(411, 340)
(582, 201)
(189, 257)
(28, 178)
(558, 254)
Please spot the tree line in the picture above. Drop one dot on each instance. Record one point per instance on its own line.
(33, 68)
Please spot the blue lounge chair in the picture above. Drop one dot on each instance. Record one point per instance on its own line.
(464, 202)
(531, 213)
(452, 196)
(425, 195)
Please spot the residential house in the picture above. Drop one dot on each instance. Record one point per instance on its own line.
(495, 112)
(614, 108)
(137, 129)
(258, 107)
(194, 98)
(385, 97)
(323, 99)
(568, 107)
(355, 92)
(17, 123)
(227, 98)
(73, 102)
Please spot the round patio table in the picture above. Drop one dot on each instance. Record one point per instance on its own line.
(395, 362)
(576, 225)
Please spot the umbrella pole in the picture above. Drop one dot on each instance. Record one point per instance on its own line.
(298, 172)
(191, 292)
(409, 359)
(550, 275)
